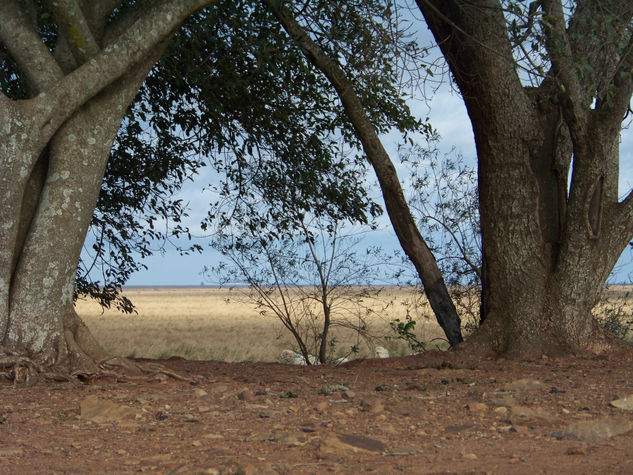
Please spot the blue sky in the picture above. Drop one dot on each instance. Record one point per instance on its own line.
(447, 114)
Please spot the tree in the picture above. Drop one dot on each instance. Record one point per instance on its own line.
(412, 242)
(547, 85)
(266, 141)
(71, 68)
(55, 140)
(313, 281)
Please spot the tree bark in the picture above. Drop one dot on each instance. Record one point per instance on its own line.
(548, 248)
(53, 153)
(398, 210)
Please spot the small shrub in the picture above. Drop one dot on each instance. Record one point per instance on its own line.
(404, 330)
(613, 315)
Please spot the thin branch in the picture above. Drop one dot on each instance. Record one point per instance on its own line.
(458, 243)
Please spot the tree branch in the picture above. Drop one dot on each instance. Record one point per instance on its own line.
(156, 24)
(26, 47)
(74, 27)
(612, 109)
(97, 13)
(569, 86)
(397, 207)
(595, 44)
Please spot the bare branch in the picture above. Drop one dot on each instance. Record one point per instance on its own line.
(458, 242)
(74, 27)
(20, 37)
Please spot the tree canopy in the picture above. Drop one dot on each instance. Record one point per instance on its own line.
(84, 82)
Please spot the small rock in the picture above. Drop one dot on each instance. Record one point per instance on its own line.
(523, 414)
(525, 384)
(457, 429)
(198, 392)
(100, 411)
(287, 395)
(246, 395)
(470, 456)
(502, 410)
(337, 443)
(290, 439)
(625, 403)
(196, 443)
(330, 388)
(576, 451)
(349, 395)
(191, 418)
(381, 352)
(503, 400)
(596, 429)
(293, 358)
(161, 416)
(477, 407)
(372, 406)
(267, 414)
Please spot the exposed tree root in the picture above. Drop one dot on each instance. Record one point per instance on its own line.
(24, 371)
(77, 357)
(19, 369)
(494, 340)
(123, 369)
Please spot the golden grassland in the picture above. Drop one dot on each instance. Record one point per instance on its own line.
(223, 324)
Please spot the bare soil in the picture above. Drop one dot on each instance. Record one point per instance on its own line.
(422, 414)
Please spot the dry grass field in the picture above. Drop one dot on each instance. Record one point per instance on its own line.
(222, 324)
(203, 323)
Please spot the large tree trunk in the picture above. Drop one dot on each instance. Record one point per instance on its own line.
(53, 153)
(42, 321)
(548, 248)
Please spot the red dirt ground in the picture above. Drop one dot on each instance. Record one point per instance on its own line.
(423, 414)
